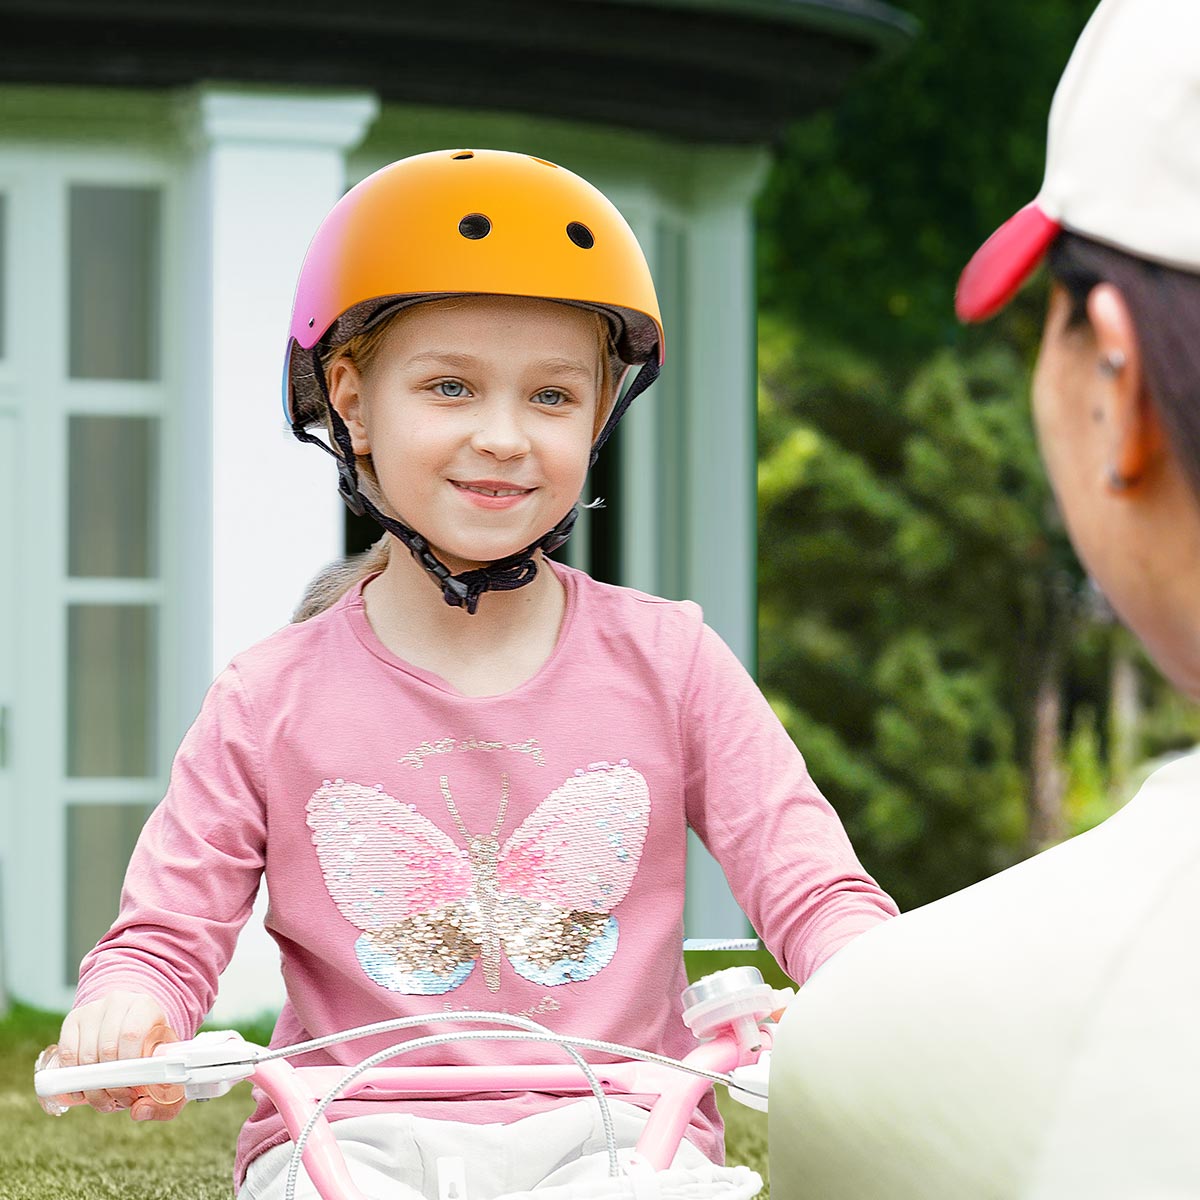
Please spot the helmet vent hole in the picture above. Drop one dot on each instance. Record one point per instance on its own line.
(581, 235)
(311, 322)
(463, 155)
(475, 226)
(545, 162)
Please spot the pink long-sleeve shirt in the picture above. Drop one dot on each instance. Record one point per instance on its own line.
(427, 851)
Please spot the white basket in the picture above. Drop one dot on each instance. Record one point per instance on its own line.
(676, 1183)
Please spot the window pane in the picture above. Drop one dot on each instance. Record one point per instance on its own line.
(114, 256)
(100, 839)
(113, 474)
(3, 275)
(111, 690)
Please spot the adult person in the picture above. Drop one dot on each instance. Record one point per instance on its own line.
(1037, 1035)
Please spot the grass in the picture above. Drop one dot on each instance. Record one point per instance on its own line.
(90, 1156)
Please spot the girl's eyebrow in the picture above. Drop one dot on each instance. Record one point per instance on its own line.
(463, 362)
(563, 366)
(444, 358)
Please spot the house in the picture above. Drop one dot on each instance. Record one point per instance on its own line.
(163, 164)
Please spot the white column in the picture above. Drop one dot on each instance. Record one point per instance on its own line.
(266, 169)
(637, 513)
(721, 448)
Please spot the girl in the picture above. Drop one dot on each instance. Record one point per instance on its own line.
(1040, 1038)
(464, 800)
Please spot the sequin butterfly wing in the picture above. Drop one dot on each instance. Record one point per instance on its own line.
(393, 874)
(565, 868)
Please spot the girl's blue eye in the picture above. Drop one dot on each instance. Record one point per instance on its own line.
(452, 389)
(551, 397)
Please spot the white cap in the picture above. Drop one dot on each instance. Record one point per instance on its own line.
(1122, 156)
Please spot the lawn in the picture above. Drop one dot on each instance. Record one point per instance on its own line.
(87, 1156)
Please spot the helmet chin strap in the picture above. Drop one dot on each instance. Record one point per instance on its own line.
(462, 590)
(645, 377)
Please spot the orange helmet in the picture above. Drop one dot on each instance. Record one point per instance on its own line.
(467, 221)
(461, 222)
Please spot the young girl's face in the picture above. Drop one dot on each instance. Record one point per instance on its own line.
(478, 414)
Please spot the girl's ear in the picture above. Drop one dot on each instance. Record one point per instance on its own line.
(1137, 435)
(345, 394)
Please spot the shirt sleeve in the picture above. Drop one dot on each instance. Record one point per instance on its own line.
(195, 871)
(752, 802)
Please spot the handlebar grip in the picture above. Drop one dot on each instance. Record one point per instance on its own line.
(122, 1073)
(158, 1078)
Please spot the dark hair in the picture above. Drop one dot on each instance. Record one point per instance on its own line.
(1164, 303)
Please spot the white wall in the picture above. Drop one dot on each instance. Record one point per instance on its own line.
(265, 169)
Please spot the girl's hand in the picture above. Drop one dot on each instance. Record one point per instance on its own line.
(121, 1025)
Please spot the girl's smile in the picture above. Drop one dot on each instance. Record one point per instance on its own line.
(491, 493)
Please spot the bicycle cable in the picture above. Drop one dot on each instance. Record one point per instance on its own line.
(397, 1049)
(531, 1031)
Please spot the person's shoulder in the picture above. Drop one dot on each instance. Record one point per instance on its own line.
(1179, 775)
(295, 648)
(615, 607)
(1170, 795)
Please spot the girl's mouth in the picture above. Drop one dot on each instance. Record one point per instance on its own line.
(491, 493)
(480, 490)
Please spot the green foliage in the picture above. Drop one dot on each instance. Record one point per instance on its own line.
(1171, 722)
(902, 593)
(874, 207)
(1087, 799)
(916, 587)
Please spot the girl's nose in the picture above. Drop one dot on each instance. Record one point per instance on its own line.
(501, 432)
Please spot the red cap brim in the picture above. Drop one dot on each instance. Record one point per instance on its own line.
(999, 267)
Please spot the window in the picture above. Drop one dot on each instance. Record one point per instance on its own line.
(113, 591)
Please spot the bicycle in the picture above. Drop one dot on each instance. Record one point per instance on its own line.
(729, 1012)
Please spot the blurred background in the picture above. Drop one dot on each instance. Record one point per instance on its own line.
(844, 479)
(926, 633)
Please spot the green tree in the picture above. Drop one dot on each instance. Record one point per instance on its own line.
(902, 598)
(873, 208)
(925, 632)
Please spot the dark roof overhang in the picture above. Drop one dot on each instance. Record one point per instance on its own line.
(734, 71)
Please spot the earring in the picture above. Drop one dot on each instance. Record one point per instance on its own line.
(1116, 481)
(1112, 364)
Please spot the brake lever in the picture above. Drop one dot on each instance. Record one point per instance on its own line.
(205, 1066)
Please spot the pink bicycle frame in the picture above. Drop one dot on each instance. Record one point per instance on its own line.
(725, 1009)
(295, 1092)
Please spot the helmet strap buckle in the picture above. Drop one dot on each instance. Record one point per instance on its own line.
(348, 487)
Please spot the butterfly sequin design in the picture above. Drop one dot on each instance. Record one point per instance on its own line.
(429, 909)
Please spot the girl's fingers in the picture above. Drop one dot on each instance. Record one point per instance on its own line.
(116, 1027)
(147, 1109)
(107, 1024)
(68, 1053)
(140, 1016)
(146, 1016)
(85, 1050)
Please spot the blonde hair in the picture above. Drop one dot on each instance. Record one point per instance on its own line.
(335, 580)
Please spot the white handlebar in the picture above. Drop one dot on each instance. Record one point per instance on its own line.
(206, 1066)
